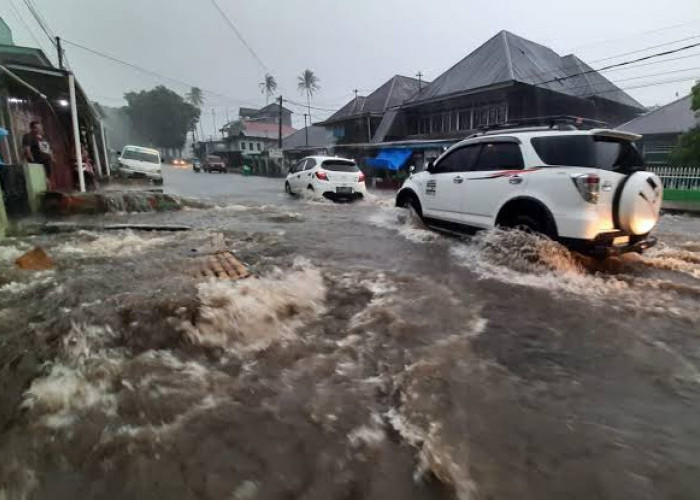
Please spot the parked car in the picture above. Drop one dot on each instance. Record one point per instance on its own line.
(197, 165)
(329, 176)
(214, 164)
(585, 188)
(136, 161)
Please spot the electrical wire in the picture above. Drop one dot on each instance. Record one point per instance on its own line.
(665, 44)
(624, 63)
(238, 34)
(647, 32)
(154, 73)
(41, 21)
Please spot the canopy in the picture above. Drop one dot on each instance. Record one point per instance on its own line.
(390, 159)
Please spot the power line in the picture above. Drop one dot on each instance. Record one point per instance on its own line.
(306, 106)
(624, 63)
(40, 21)
(154, 73)
(647, 32)
(666, 44)
(238, 34)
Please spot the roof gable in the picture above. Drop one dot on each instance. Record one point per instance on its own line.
(674, 118)
(507, 57)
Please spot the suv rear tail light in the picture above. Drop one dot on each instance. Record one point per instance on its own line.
(361, 178)
(588, 186)
(321, 175)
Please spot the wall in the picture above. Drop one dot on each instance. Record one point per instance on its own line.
(35, 178)
(3, 217)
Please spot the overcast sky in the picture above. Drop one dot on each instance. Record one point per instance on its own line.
(348, 43)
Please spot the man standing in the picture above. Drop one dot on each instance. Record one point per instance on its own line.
(37, 150)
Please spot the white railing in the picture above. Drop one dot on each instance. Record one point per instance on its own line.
(685, 178)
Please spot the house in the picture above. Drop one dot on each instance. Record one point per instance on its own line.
(506, 79)
(32, 89)
(253, 136)
(661, 128)
(359, 119)
(311, 140)
(267, 114)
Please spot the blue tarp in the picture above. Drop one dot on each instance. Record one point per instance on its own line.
(390, 159)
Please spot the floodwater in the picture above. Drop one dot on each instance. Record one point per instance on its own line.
(369, 358)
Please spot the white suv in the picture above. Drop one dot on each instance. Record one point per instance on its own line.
(329, 176)
(585, 188)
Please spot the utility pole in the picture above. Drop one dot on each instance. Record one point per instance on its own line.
(306, 130)
(279, 137)
(213, 119)
(420, 81)
(60, 52)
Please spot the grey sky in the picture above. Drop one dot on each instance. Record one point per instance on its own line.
(349, 44)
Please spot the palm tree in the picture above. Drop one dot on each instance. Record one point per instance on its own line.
(196, 98)
(268, 87)
(308, 84)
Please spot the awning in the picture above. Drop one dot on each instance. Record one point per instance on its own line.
(390, 159)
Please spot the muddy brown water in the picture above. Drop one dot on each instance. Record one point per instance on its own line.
(371, 358)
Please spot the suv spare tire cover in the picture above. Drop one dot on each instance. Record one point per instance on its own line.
(639, 203)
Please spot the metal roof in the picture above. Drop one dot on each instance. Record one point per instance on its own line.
(507, 57)
(673, 118)
(318, 137)
(397, 90)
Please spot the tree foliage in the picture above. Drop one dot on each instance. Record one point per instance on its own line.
(687, 152)
(162, 116)
(308, 84)
(268, 87)
(195, 97)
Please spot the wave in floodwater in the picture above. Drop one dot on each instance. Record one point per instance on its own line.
(118, 243)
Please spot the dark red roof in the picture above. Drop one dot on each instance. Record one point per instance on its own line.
(267, 130)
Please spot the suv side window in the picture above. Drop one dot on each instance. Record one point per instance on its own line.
(310, 163)
(500, 156)
(459, 160)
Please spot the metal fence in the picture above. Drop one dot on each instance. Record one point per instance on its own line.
(681, 178)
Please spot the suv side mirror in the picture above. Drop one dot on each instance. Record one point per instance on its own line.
(412, 168)
(431, 166)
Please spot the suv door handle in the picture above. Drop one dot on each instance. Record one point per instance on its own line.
(458, 180)
(515, 179)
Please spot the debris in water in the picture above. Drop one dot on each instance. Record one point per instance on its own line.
(35, 260)
(223, 265)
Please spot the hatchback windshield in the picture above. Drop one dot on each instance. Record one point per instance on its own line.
(340, 166)
(588, 151)
(130, 154)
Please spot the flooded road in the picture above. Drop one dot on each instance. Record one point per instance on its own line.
(369, 358)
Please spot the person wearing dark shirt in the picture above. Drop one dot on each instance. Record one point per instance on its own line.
(36, 149)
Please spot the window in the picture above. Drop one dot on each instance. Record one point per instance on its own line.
(299, 166)
(310, 163)
(502, 113)
(435, 124)
(588, 151)
(459, 160)
(340, 166)
(251, 145)
(465, 119)
(132, 154)
(500, 156)
(493, 115)
(242, 145)
(424, 125)
(258, 145)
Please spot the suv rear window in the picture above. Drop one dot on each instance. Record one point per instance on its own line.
(588, 151)
(340, 166)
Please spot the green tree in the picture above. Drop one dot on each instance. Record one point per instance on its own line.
(308, 84)
(268, 87)
(196, 98)
(687, 152)
(162, 116)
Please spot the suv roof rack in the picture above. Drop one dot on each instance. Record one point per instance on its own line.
(559, 122)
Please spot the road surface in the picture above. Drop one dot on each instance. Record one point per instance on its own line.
(370, 358)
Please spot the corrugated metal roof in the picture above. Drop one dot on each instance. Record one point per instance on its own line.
(318, 137)
(507, 57)
(397, 90)
(673, 118)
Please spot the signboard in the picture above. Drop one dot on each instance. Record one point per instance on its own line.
(275, 153)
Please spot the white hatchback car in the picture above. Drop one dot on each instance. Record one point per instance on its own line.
(329, 176)
(585, 188)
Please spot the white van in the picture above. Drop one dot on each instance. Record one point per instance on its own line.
(136, 161)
